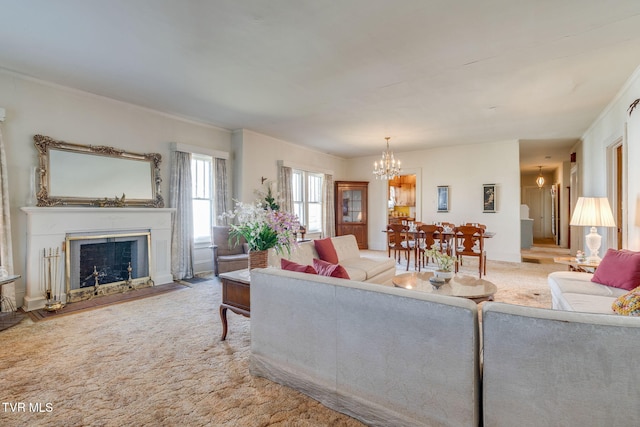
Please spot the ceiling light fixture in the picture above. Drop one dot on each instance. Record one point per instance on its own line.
(540, 178)
(388, 167)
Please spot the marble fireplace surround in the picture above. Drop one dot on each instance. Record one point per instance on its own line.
(47, 227)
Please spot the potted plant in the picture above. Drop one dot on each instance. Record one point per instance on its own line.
(445, 263)
(263, 228)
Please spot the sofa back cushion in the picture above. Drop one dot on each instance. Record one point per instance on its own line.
(326, 250)
(619, 269)
(346, 247)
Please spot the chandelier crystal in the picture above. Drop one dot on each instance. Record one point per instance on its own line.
(388, 167)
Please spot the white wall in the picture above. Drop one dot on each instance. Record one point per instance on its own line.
(613, 124)
(34, 107)
(464, 169)
(257, 155)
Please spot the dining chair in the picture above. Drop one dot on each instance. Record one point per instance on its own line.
(428, 237)
(475, 224)
(469, 241)
(398, 241)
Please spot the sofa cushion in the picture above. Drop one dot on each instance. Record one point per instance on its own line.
(580, 283)
(370, 266)
(285, 264)
(326, 250)
(620, 269)
(588, 303)
(325, 268)
(628, 304)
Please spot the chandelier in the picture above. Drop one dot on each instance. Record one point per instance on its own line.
(388, 167)
(540, 178)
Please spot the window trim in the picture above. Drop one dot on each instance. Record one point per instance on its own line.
(306, 175)
(205, 239)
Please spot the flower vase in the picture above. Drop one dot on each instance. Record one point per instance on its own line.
(258, 259)
(446, 275)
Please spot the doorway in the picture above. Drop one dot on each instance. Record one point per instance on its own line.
(539, 202)
(401, 198)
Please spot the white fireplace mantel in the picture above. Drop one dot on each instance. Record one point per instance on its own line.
(47, 227)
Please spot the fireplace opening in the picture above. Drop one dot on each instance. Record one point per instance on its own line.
(107, 262)
(99, 264)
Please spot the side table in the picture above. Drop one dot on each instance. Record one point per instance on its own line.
(573, 264)
(12, 317)
(236, 287)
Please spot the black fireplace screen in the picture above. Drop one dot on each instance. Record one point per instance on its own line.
(112, 258)
(107, 262)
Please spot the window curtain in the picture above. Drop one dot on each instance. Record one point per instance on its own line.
(6, 251)
(285, 189)
(181, 199)
(328, 207)
(221, 190)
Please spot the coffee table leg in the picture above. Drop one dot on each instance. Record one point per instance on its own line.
(223, 318)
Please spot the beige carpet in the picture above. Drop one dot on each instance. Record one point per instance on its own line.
(159, 361)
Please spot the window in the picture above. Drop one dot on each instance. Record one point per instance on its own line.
(202, 183)
(307, 199)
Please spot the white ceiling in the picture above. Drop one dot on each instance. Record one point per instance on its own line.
(339, 76)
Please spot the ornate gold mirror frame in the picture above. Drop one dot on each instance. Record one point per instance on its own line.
(75, 174)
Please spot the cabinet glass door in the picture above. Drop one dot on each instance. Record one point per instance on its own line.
(352, 206)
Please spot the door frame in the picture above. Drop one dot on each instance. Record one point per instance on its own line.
(616, 190)
(385, 189)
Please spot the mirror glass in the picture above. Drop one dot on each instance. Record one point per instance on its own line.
(74, 174)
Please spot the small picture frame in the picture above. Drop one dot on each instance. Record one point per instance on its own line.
(443, 198)
(489, 198)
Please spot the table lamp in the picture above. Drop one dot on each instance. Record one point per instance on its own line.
(593, 212)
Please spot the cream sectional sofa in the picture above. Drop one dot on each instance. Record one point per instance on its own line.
(392, 356)
(386, 356)
(574, 291)
(360, 268)
(559, 368)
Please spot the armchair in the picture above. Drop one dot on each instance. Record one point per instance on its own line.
(226, 255)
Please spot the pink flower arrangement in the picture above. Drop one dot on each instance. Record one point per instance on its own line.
(263, 227)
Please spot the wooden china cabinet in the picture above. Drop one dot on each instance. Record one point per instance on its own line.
(351, 210)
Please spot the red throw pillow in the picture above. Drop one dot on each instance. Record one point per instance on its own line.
(285, 264)
(619, 269)
(326, 250)
(325, 268)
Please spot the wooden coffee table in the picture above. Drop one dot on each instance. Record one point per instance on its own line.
(469, 287)
(236, 286)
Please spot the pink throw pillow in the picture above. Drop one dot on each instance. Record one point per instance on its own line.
(326, 250)
(619, 269)
(285, 264)
(325, 268)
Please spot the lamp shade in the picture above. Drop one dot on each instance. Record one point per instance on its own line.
(593, 212)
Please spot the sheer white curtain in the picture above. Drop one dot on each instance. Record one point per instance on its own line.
(285, 190)
(328, 207)
(180, 198)
(221, 190)
(6, 251)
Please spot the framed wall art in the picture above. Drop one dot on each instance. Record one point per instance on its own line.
(443, 198)
(489, 198)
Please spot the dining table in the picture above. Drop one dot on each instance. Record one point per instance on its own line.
(447, 235)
